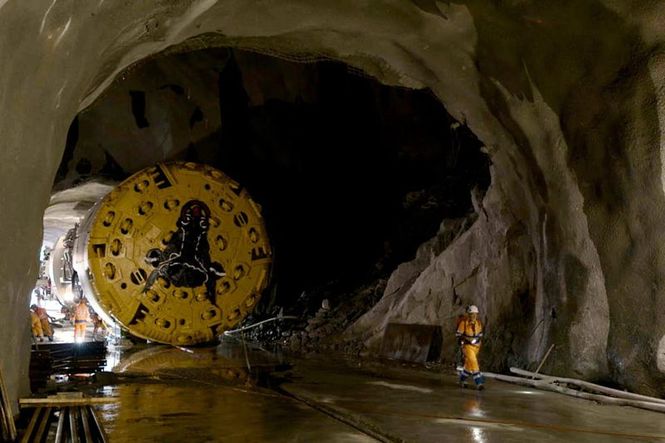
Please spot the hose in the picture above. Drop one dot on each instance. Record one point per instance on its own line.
(279, 317)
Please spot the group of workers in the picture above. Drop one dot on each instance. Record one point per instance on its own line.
(41, 324)
(469, 333)
(79, 316)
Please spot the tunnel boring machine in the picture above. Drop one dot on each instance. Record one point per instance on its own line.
(176, 254)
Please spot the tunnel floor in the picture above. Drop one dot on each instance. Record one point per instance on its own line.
(168, 394)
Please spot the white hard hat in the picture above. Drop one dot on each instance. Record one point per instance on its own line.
(472, 309)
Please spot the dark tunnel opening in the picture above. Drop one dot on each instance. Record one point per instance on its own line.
(352, 175)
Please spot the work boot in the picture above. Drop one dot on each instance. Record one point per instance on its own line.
(480, 387)
(463, 384)
(50, 338)
(479, 380)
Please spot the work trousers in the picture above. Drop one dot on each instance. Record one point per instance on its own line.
(46, 327)
(471, 358)
(37, 328)
(471, 367)
(79, 329)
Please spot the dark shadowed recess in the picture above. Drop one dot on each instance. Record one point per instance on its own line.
(351, 182)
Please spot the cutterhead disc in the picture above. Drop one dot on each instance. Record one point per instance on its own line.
(178, 253)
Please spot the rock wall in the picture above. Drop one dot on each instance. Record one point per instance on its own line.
(154, 111)
(564, 94)
(580, 175)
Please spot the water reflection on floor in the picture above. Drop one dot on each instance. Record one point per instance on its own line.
(167, 412)
(208, 395)
(233, 393)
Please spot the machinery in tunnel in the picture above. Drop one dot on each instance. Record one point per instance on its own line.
(60, 269)
(176, 254)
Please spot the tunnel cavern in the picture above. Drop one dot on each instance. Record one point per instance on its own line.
(327, 202)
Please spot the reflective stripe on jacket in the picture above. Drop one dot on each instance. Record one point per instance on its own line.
(470, 331)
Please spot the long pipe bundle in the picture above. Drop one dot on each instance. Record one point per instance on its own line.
(595, 392)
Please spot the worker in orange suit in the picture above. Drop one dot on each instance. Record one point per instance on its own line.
(81, 318)
(37, 332)
(469, 334)
(98, 325)
(44, 321)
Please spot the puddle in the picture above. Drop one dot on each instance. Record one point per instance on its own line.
(229, 363)
(477, 424)
(400, 387)
(229, 392)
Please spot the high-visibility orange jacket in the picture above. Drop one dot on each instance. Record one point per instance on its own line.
(470, 332)
(81, 313)
(41, 313)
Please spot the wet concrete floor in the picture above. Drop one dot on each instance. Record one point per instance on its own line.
(209, 395)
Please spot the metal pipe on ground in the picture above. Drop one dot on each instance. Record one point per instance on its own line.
(60, 429)
(604, 399)
(27, 437)
(96, 424)
(43, 425)
(73, 425)
(86, 424)
(547, 354)
(588, 386)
